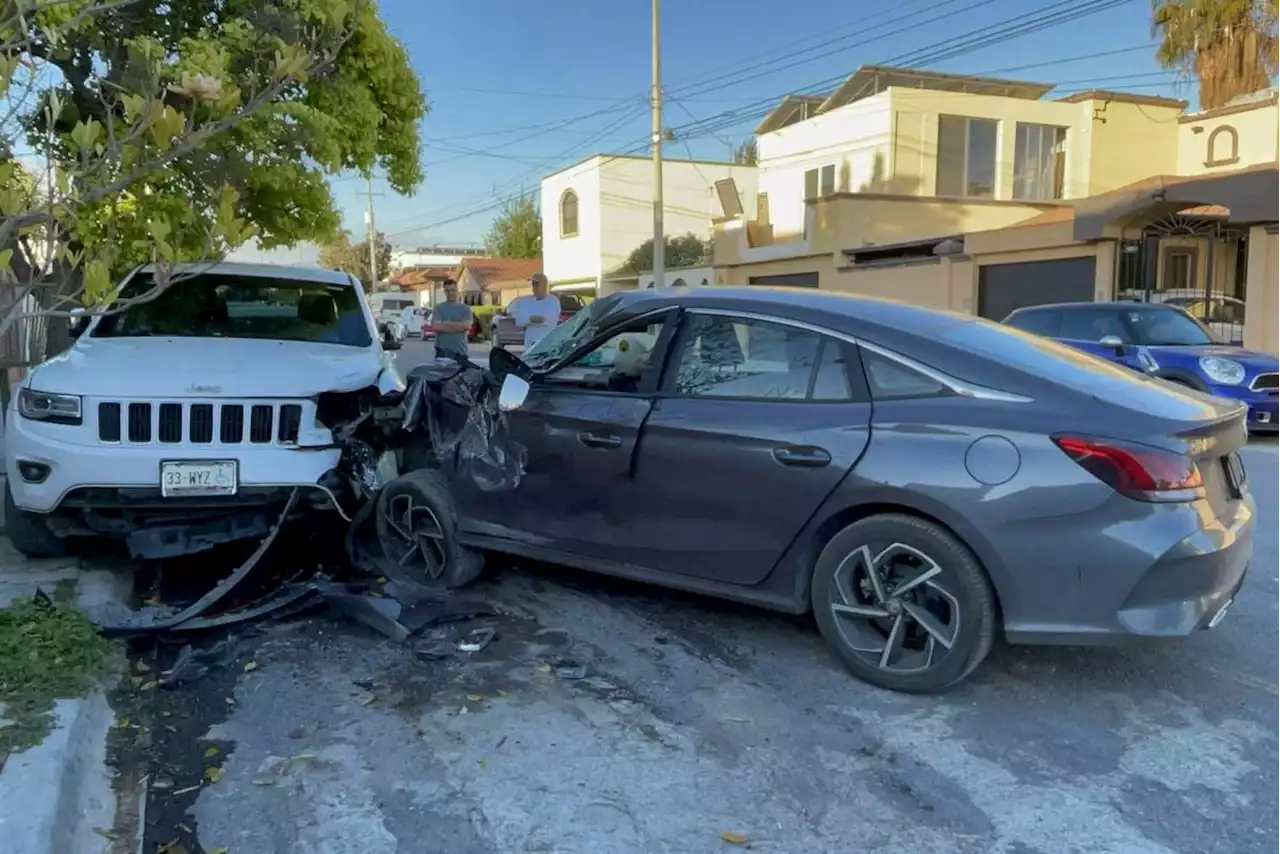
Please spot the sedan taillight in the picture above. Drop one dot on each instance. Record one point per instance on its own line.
(1136, 471)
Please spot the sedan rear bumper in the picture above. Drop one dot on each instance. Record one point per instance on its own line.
(1185, 589)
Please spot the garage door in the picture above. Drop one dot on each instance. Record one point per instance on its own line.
(1005, 287)
(790, 280)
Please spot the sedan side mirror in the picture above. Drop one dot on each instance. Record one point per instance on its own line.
(513, 393)
(504, 364)
(1113, 342)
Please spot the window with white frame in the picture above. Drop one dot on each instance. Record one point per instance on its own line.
(1039, 162)
(819, 182)
(967, 156)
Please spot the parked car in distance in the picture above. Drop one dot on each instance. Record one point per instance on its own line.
(413, 319)
(507, 334)
(920, 481)
(1164, 341)
(1223, 314)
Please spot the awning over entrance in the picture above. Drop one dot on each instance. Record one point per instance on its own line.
(1247, 196)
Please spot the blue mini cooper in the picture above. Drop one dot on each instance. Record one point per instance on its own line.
(1162, 341)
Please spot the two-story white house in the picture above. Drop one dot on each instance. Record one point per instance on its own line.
(597, 211)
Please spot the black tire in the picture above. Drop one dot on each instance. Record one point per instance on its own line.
(948, 582)
(418, 532)
(29, 532)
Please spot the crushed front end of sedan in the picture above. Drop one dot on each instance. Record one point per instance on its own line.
(240, 399)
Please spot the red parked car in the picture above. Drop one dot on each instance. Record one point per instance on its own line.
(505, 333)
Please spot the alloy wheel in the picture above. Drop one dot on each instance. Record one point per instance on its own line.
(891, 608)
(419, 541)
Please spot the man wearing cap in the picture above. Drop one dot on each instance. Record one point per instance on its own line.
(450, 321)
(536, 313)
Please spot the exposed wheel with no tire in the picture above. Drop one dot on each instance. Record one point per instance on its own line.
(904, 604)
(29, 532)
(418, 532)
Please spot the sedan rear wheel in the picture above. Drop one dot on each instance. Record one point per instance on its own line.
(904, 604)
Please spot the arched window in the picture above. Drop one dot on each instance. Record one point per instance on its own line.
(1224, 146)
(703, 283)
(678, 283)
(569, 214)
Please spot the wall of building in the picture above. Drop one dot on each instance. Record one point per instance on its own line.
(689, 202)
(615, 211)
(945, 283)
(1229, 138)
(1262, 317)
(854, 139)
(1127, 143)
(573, 256)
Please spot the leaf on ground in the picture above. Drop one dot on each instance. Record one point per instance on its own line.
(219, 850)
(142, 667)
(109, 835)
(210, 752)
(733, 838)
(213, 775)
(147, 686)
(475, 698)
(250, 666)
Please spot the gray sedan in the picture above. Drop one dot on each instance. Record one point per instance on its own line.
(921, 481)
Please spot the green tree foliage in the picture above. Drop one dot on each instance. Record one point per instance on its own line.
(516, 231)
(341, 254)
(172, 132)
(1227, 46)
(687, 250)
(746, 153)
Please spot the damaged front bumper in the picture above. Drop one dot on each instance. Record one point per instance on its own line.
(447, 419)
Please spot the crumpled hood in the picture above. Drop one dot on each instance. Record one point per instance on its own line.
(156, 367)
(1253, 361)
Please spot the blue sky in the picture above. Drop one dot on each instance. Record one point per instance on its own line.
(519, 89)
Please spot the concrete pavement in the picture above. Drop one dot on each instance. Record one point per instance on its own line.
(614, 717)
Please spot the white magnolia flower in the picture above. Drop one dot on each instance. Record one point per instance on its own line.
(201, 87)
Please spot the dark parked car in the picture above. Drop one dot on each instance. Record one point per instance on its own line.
(1164, 341)
(921, 481)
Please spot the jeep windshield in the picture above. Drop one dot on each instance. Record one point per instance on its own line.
(213, 305)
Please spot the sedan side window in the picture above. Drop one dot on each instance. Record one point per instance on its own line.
(1043, 322)
(736, 358)
(617, 364)
(891, 380)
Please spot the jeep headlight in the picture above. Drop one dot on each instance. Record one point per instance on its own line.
(47, 406)
(1222, 371)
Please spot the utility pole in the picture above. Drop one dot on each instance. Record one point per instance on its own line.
(371, 233)
(659, 232)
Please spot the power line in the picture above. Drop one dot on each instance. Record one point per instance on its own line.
(1047, 17)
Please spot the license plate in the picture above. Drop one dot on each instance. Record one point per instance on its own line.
(1236, 477)
(205, 477)
(1222, 612)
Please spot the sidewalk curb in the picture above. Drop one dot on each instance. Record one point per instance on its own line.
(54, 795)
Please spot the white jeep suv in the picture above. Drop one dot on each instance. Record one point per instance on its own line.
(185, 419)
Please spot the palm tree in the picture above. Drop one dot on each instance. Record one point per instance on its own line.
(1228, 46)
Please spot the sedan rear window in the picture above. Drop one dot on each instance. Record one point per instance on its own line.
(1059, 363)
(211, 305)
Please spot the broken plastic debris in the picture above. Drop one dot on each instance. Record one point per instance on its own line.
(477, 639)
(570, 670)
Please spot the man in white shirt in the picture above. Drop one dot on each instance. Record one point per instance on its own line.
(536, 313)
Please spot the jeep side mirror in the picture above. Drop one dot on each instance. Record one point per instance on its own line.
(1114, 342)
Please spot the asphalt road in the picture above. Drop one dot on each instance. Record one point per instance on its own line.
(609, 717)
(416, 351)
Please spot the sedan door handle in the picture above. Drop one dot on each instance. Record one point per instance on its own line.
(806, 456)
(600, 440)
